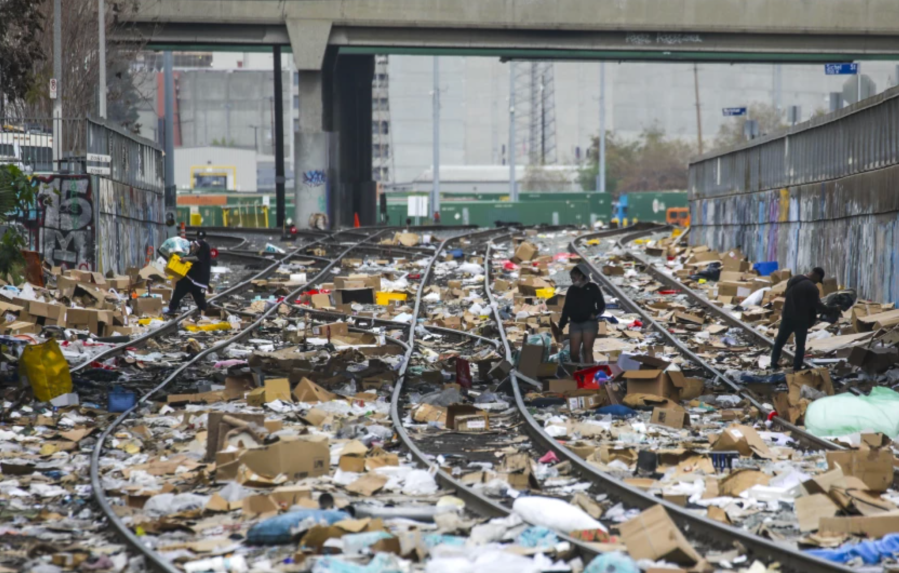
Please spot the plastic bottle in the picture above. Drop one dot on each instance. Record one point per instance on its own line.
(234, 564)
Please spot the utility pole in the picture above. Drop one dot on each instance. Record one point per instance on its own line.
(513, 185)
(601, 174)
(435, 187)
(698, 114)
(101, 17)
(57, 75)
(280, 201)
(168, 86)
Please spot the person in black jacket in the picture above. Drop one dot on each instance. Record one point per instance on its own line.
(800, 311)
(196, 283)
(583, 307)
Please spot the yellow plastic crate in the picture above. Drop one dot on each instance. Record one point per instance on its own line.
(546, 292)
(177, 267)
(385, 298)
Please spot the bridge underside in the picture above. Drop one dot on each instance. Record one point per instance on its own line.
(563, 45)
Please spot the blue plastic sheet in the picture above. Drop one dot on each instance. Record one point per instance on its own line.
(776, 378)
(871, 552)
(277, 530)
(616, 411)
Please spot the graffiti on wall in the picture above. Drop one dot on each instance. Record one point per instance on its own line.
(67, 231)
(314, 178)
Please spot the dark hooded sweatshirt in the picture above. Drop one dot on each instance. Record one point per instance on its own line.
(803, 302)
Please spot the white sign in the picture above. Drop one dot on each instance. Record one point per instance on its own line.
(52, 88)
(417, 206)
(98, 170)
(266, 200)
(99, 158)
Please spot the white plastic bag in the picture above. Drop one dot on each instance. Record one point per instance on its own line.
(554, 514)
(419, 482)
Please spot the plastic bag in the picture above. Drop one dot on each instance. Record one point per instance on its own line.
(279, 529)
(537, 536)
(615, 562)
(555, 514)
(169, 503)
(846, 414)
(45, 368)
(174, 245)
(419, 482)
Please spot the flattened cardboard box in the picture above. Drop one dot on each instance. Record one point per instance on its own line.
(874, 467)
(296, 459)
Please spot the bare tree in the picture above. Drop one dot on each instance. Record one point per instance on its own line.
(79, 84)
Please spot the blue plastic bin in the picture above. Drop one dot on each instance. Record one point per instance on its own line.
(765, 269)
(121, 400)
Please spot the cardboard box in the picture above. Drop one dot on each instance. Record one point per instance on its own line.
(531, 363)
(217, 429)
(653, 535)
(466, 418)
(526, 251)
(676, 418)
(874, 467)
(309, 391)
(585, 399)
(146, 306)
(562, 386)
(297, 459)
(358, 295)
(687, 388)
(88, 319)
(870, 526)
(742, 439)
(352, 457)
(277, 389)
(654, 382)
(827, 286)
(56, 312)
(500, 370)
(873, 360)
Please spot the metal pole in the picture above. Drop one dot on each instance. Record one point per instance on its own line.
(513, 185)
(435, 187)
(698, 114)
(601, 175)
(57, 74)
(101, 17)
(858, 83)
(279, 142)
(169, 97)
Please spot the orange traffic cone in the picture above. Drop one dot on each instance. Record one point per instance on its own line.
(356, 220)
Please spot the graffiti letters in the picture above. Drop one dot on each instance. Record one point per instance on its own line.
(67, 231)
(314, 178)
(644, 39)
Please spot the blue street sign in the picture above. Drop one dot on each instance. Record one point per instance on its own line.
(733, 111)
(841, 69)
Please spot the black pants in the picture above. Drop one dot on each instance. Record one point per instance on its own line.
(788, 327)
(182, 289)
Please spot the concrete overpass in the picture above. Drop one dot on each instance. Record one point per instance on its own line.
(333, 42)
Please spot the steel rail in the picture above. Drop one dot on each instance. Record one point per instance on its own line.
(172, 324)
(686, 520)
(99, 493)
(478, 502)
(734, 322)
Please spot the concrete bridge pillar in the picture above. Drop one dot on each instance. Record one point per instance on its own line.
(334, 141)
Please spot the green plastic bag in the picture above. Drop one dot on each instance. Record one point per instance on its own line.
(847, 414)
(45, 368)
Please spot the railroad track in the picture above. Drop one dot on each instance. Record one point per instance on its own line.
(215, 345)
(705, 533)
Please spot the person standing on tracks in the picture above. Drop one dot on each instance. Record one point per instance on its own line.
(800, 311)
(196, 282)
(584, 305)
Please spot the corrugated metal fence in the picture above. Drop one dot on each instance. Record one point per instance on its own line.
(94, 214)
(129, 204)
(823, 193)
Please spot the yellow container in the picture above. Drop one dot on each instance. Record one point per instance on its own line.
(593, 242)
(208, 327)
(176, 267)
(46, 369)
(385, 298)
(546, 292)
